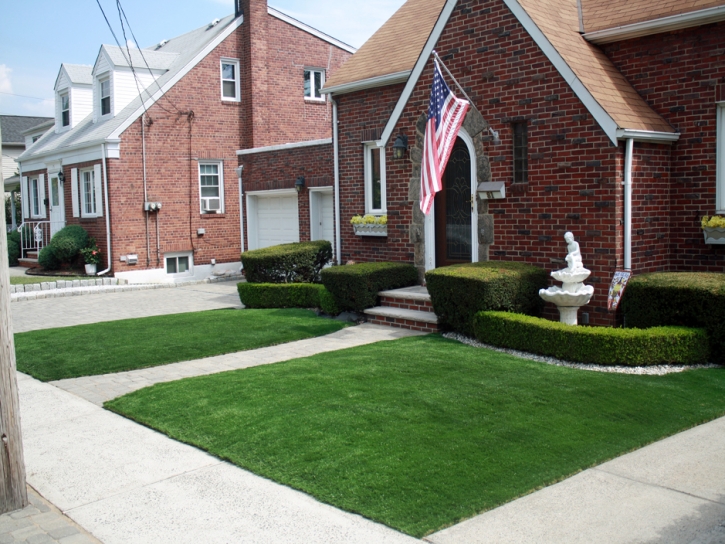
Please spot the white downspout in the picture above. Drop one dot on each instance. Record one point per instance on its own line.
(628, 152)
(108, 217)
(241, 211)
(335, 152)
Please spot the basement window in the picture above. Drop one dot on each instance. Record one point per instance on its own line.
(178, 263)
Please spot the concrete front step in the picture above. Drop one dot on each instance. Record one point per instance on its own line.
(403, 318)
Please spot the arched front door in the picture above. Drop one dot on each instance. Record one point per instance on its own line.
(453, 209)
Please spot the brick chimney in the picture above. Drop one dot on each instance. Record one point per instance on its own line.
(256, 20)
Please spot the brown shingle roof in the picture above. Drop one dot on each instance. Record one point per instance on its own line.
(559, 21)
(395, 47)
(599, 15)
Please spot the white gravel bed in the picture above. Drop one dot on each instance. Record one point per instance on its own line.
(655, 370)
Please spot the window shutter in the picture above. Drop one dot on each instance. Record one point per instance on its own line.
(99, 188)
(41, 196)
(25, 200)
(74, 191)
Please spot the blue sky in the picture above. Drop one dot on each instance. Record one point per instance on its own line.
(36, 36)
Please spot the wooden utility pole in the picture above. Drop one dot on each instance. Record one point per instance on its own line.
(13, 494)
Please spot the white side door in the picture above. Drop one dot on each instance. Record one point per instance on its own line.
(57, 205)
(322, 218)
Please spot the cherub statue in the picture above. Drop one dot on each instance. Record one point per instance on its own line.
(574, 256)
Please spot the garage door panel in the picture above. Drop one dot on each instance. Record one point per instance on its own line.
(277, 220)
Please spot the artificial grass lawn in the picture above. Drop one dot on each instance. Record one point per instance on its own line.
(420, 433)
(25, 280)
(115, 346)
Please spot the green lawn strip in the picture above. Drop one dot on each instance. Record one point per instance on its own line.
(421, 433)
(116, 346)
(25, 280)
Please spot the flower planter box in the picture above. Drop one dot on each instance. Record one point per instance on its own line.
(370, 230)
(714, 235)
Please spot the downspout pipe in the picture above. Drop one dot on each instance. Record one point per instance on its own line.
(241, 211)
(336, 158)
(108, 218)
(628, 152)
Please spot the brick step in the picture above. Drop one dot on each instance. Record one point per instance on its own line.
(403, 318)
(410, 298)
(29, 263)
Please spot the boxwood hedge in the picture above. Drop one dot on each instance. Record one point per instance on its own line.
(596, 345)
(300, 262)
(690, 299)
(458, 292)
(13, 248)
(280, 295)
(355, 287)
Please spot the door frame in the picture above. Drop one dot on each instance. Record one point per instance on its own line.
(430, 236)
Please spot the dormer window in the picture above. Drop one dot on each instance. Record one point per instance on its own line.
(105, 97)
(230, 79)
(64, 110)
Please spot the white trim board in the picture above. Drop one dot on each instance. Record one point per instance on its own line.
(282, 147)
(208, 48)
(656, 26)
(302, 26)
(369, 83)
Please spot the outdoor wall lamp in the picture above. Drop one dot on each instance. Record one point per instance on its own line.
(496, 138)
(61, 176)
(300, 183)
(491, 190)
(400, 146)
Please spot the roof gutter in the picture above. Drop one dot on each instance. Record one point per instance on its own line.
(63, 150)
(647, 136)
(656, 26)
(369, 83)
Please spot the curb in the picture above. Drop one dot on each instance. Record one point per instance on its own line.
(55, 289)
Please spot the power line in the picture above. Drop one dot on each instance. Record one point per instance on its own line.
(25, 96)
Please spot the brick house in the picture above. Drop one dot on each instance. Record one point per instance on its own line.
(180, 156)
(605, 119)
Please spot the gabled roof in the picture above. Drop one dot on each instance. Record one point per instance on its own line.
(393, 49)
(144, 59)
(80, 74)
(599, 15)
(13, 127)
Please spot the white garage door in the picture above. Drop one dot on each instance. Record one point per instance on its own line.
(276, 218)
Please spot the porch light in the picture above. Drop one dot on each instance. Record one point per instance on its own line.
(491, 190)
(400, 146)
(300, 183)
(61, 176)
(496, 138)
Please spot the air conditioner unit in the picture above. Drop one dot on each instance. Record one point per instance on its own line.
(211, 205)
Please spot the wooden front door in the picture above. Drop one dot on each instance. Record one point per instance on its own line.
(453, 210)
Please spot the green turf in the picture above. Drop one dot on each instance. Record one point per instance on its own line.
(115, 346)
(422, 432)
(25, 280)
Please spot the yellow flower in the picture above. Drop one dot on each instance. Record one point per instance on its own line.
(717, 221)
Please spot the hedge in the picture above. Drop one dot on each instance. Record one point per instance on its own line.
(355, 287)
(596, 345)
(280, 295)
(13, 248)
(300, 262)
(689, 299)
(459, 292)
(47, 259)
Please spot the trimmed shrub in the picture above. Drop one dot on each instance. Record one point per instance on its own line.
(300, 262)
(356, 286)
(67, 243)
(596, 345)
(280, 295)
(459, 292)
(327, 302)
(13, 248)
(690, 299)
(47, 259)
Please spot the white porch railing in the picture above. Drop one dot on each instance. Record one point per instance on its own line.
(35, 235)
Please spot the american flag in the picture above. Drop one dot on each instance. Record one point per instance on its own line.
(445, 117)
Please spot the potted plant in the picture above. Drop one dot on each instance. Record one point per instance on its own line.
(370, 225)
(714, 229)
(92, 257)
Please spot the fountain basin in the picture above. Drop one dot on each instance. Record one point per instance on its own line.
(558, 296)
(571, 276)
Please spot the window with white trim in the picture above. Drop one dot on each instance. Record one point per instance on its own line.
(64, 110)
(104, 87)
(88, 193)
(178, 263)
(314, 80)
(230, 79)
(34, 197)
(211, 187)
(720, 159)
(374, 179)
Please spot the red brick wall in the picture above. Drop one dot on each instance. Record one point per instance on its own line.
(280, 169)
(678, 74)
(573, 166)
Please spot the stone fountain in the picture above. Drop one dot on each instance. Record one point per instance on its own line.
(573, 294)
